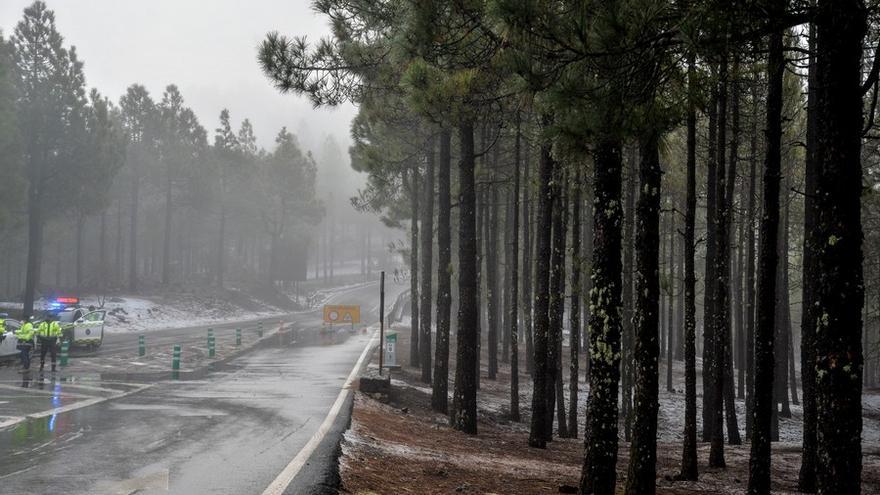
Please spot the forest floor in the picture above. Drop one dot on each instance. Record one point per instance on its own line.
(398, 445)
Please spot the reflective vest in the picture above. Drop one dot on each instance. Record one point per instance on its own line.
(2, 326)
(25, 333)
(49, 329)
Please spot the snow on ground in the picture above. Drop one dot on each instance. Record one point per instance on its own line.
(193, 307)
(397, 444)
(670, 420)
(140, 314)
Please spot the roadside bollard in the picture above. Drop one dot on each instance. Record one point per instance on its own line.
(260, 329)
(65, 346)
(142, 345)
(211, 346)
(237, 336)
(175, 359)
(210, 333)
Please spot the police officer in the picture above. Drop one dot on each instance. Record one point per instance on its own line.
(25, 337)
(48, 333)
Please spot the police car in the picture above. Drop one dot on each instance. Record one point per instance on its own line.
(80, 326)
(9, 344)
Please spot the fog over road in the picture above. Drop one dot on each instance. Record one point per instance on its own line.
(231, 430)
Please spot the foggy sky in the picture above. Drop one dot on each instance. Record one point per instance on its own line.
(207, 47)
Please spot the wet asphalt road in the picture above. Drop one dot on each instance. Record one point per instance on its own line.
(230, 431)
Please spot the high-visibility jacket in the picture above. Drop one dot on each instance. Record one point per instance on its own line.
(25, 332)
(2, 326)
(49, 329)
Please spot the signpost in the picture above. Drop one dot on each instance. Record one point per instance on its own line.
(381, 320)
(391, 350)
(337, 313)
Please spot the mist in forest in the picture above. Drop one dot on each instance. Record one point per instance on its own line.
(180, 162)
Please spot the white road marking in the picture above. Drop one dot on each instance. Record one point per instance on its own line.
(38, 391)
(14, 420)
(284, 479)
(18, 472)
(70, 407)
(91, 387)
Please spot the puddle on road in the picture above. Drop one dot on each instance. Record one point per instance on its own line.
(175, 410)
(147, 483)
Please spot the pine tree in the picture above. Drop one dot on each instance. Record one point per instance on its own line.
(807, 473)
(51, 101)
(763, 405)
(440, 384)
(643, 449)
(841, 27)
(427, 239)
(689, 469)
(542, 415)
(575, 344)
(140, 126)
(464, 407)
(514, 277)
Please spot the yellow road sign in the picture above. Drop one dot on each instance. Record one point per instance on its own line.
(342, 314)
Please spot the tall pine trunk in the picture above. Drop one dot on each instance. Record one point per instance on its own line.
(720, 280)
(733, 436)
(464, 403)
(527, 263)
(628, 244)
(481, 208)
(588, 279)
(809, 315)
(689, 470)
(133, 226)
(80, 227)
(541, 374)
(507, 282)
(642, 475)
(102, 252)
(750, 259)
(763, 405)
(166, 240)
(574, 313)
(780, 345)
(739, 294)
(440, 383)
(557, 302)
(427, 240)
(599, 473)
(709, 273)
(221, 246)
(119, 262)
(670, 323)
(841, 26)
(414, 191)
(514, 280)
(492, 288)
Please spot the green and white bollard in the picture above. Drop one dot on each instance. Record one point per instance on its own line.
(65, 347)
(175, 358)
(211, 346)
(142, 345)
(237, 336)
